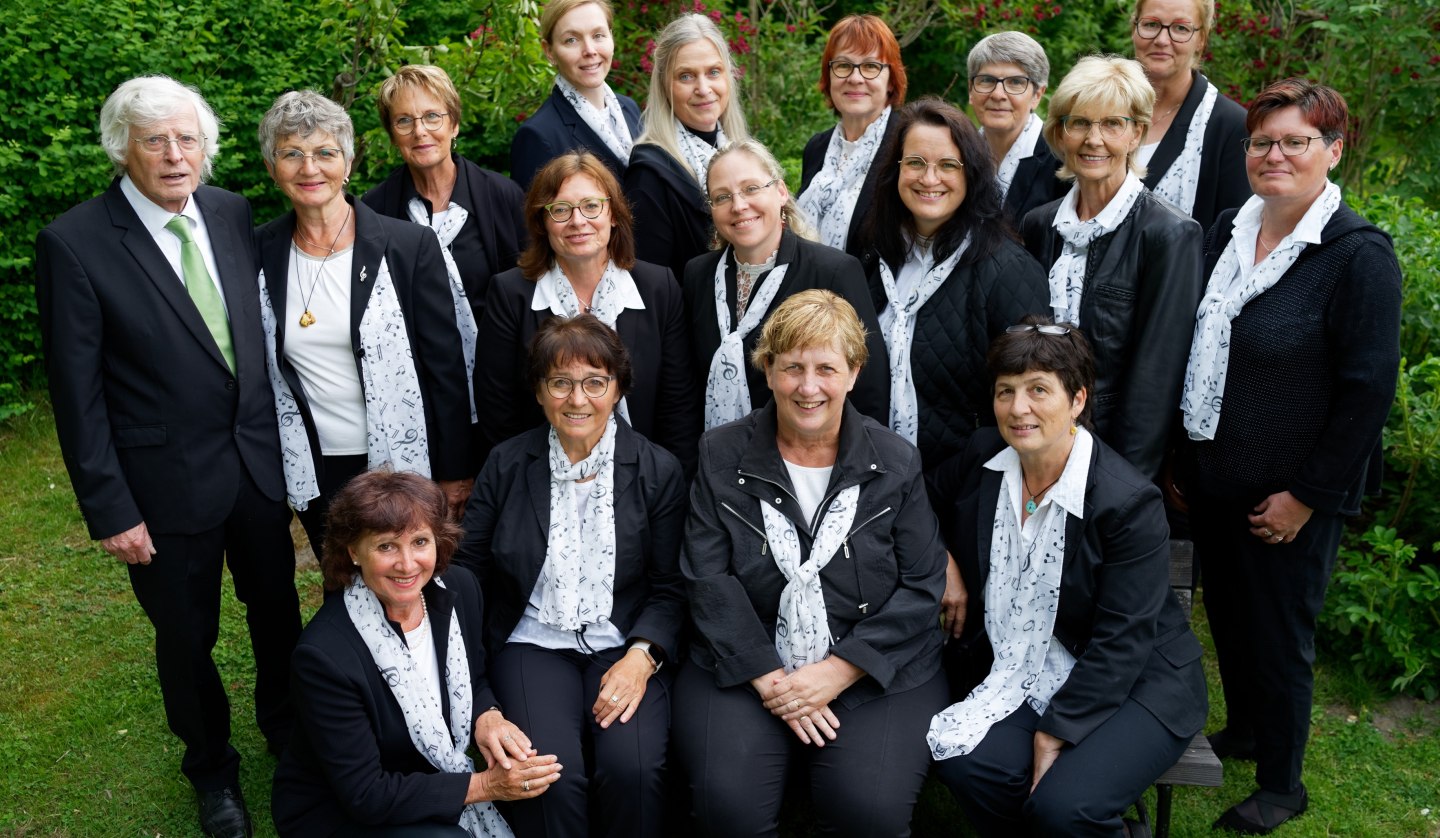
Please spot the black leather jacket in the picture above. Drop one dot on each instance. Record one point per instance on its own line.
(1143, 283)
(882, 591)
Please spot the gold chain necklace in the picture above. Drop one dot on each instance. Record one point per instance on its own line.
(307, 318)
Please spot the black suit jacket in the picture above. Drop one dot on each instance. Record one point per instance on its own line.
(663, 404)
(351, 759)
(1035, 185)
(508, 520)
(1117, 614)
(423, 288)
(1223, 183)
(672, 222)
(812, 160)
(555, 129)
(811, 266)
(493, 236)
(153, 425)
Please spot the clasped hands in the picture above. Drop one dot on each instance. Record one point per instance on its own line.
(802, 698)
(515, 771)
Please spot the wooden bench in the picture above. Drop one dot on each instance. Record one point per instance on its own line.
(1198, 766)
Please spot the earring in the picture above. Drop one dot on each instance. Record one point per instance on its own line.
(1074, 429)
(347, 180)
(784, 217)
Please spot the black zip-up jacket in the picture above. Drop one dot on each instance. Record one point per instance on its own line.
(882, 591)
(1143, 283)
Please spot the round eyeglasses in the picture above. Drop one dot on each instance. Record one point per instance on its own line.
(593, 386)
(1150, 29)
(431, 120)
(868, 69)
(1014, 85)
(915, 165)
(560, 211)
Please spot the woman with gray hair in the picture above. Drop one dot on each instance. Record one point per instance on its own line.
(1008, 74)
(343, 291)
(693, 109)
(1124, 265)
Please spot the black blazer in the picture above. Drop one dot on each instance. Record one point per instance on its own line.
(508, 520)
(672, 222)
(1143, 283)
(953, 331)
(663, 404)
(153, 424)
(555, 129)
(494, 235)
(811, 266)
(351, 760)
(882, 592)
(1035, 184)
(1117, 614)
(812, 160)
(423, 288)
(1223, 183)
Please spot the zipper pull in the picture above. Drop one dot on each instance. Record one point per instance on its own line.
(864, 606)
(846, 545)
(763, 546)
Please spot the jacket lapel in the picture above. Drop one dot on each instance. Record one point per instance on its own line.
(275, 262)
(370, 244)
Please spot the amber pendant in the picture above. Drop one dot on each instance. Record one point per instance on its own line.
(307, 319)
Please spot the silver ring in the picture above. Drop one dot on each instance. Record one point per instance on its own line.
(1279, 538)
(506, 738)
(614, 698)
(794, 702)
(525, 786)
(1268, 533)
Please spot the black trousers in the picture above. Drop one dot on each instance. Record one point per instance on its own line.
(612, 783)
(180, 592)
(1085, 791)
(737, 756)
(335, 472)
(1262, 601)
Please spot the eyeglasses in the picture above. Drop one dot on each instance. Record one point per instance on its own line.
(1111, 127)
(560, 211)
(868, 69)
(916, 166)
(1042, 328)
(296, 158)
(1149, 29)
(593, 386)
(1014, 85)
(431, 120)
(1291, 146)
(158, 143)
(748, 192)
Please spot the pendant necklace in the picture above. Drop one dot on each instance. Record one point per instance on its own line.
(1031, 505)
(307, 318)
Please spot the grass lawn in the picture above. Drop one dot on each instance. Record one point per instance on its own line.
(84, 750)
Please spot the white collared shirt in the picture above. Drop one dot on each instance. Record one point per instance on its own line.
(1247, 230)
(625, 287)
(155, 217)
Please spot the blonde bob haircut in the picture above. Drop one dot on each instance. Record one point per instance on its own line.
(790, 215)
(426, 78)
(659, 125)
(1110, 84)
(556, 9)
(808, 320)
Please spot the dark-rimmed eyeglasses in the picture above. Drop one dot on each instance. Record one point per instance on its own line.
(1042, 328)
(748, 192)
(1111, 127)
(432, 121)
(915, 165)
(560, 211)
(1293, 145)
(593, 386)
(296, 158)
(158, 143)
(1149, 28)
(868, 69)
(1014, 85)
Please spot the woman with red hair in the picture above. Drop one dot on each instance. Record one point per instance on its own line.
(862, 78)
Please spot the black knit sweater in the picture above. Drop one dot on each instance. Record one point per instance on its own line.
(1313, 365)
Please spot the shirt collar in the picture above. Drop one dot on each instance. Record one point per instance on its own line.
(1113, 213)
(626, 291)
(1309, 229)
(151, 214)
(1068, 492)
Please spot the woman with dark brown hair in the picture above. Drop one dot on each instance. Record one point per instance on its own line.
(389, 683)
(581, 259)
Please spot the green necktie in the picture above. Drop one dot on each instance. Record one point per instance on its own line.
(202, 289)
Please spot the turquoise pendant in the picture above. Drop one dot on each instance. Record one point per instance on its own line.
(1030, 507)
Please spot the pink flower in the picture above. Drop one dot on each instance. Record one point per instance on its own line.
(790, 27)
(1415, 74)
(1274, 31)
(716, 16)
(520, 117)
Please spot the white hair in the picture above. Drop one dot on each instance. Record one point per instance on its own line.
(148, 100)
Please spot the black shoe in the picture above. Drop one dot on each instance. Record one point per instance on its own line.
(223, 814)
(1226, 743)
(1263, 811)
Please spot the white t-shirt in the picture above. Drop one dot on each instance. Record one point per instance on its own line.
(810, 485)
(322, 353)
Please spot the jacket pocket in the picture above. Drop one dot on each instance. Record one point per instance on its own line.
(1181, 650)
(1115, 292)
(139, 436)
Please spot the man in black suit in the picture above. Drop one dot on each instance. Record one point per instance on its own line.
(150, 319)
